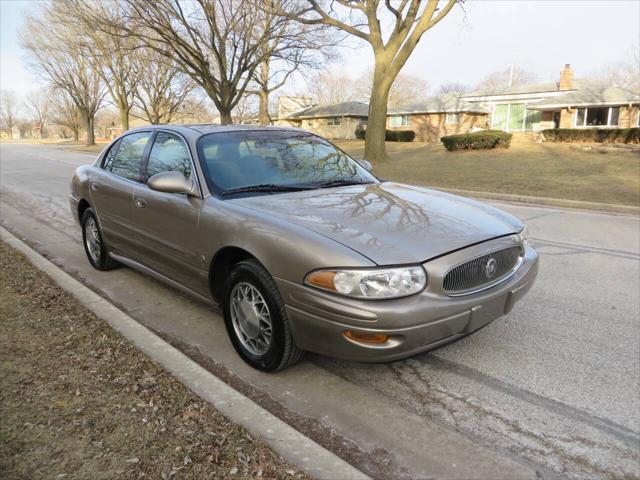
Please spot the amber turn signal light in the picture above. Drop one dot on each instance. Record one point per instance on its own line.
(322, 279)
(375, 338)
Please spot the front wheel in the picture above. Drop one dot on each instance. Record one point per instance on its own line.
(256, 319)
(93, 241)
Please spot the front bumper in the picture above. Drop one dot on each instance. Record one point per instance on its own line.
(414, 324)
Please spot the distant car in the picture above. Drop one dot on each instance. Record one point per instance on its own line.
(301, 246)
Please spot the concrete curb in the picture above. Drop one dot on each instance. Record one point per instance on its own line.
(292, 445)
(550, 202)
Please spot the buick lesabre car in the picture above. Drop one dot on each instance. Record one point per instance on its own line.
(300, 245)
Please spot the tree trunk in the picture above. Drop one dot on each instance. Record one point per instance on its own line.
(124, 117)
(263, 113)
(374, 145)
(225, 116)
(88, 124)
(76, 133)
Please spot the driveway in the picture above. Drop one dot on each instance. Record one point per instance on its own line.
(552, 389)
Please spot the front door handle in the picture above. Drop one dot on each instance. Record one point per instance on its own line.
(140, 202)
(95, 186)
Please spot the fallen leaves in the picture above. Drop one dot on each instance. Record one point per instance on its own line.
(77, 401)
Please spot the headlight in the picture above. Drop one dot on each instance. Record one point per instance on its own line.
(371, 284)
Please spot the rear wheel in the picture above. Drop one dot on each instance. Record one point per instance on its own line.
(93, 241)
(256, 319)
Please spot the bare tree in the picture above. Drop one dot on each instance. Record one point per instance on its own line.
(114, 52)
(246, 110)
(64, 112)
(293, 47)
(405, 88)
(503, 79)
(453, 87)
(162, 87)
(218, 43)
(392, 46)
(624, 73)
(38, 103)
(53, 50)
(9, 110)
(331, 87)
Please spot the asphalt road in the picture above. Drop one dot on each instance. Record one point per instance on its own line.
(550, 390)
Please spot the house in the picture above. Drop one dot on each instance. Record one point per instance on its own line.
(435, 117)
(335, 121)
(568, 103)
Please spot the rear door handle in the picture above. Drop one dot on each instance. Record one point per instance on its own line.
(140, 202)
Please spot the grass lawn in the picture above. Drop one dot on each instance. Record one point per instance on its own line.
(540, 169)
(77, 400)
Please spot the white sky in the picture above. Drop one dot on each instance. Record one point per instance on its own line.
(538, 35)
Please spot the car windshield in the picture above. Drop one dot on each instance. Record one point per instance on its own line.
(275, 161)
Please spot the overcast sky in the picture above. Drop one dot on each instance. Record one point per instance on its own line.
(485, 36)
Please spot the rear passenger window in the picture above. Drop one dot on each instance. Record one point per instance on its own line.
(125, 158)
(168, 154)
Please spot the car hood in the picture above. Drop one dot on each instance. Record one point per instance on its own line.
(389, 223)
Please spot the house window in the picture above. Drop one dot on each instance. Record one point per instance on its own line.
(333, 121)
(597, 117)
(399, 120)
(452, 118)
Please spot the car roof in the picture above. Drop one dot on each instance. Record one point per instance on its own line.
(205, 128)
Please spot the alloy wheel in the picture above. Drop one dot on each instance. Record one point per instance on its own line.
(251, 318)
(92, 239)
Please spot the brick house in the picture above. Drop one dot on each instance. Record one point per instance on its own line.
(435, 117)
(335, 121)
(568, 103)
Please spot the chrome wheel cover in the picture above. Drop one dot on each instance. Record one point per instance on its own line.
(92, 239)
(251, 318)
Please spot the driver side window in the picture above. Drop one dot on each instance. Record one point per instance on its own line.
(168, 154)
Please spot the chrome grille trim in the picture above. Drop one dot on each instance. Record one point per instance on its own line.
(468, 277)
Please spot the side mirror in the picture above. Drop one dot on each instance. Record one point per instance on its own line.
(366, 164)
(172, 182)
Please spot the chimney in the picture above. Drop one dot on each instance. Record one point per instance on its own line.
(566, 78)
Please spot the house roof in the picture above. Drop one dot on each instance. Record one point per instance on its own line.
(589, 93)
(342, 109)
(515, 90)
(447, 103)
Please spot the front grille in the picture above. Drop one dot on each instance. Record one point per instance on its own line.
(482, 272)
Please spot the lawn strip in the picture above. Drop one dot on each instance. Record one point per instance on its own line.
(78, 401)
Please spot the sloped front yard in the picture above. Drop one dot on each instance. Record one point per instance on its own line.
(77, 401)
(538, 169)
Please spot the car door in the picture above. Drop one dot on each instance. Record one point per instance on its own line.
(168, 222)
(112, 190)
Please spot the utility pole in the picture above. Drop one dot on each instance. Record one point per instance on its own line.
(510, 74)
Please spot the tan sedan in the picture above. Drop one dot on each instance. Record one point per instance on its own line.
(301, 246)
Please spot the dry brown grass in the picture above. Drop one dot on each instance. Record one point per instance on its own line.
(526, 168)
(77, 401)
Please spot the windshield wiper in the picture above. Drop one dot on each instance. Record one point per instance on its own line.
(340, 183)
(266, 187)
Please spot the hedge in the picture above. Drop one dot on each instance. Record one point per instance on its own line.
(390, 135)
(597, 135)
(477, 140)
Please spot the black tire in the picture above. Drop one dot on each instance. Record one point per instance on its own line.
(102, 261)
(282, 351)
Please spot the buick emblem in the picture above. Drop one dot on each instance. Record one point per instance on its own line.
(490, 268)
